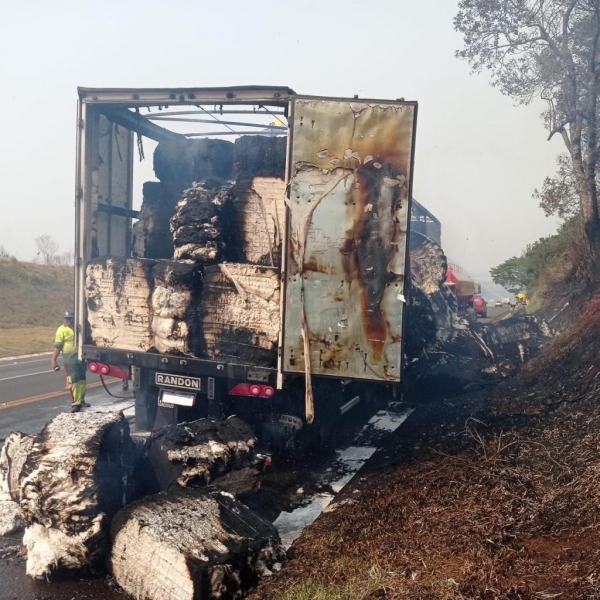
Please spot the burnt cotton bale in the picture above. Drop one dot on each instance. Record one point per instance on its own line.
(79, 474)
(191, 545)
(196, 225)
(12, 460)
(182, 162)
(175, 298)
(260, 156)
(199, 452)
(151, 233)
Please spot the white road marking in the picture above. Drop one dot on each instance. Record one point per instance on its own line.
(25, 362)
(25, 356)
(28, 375)
(347, 463)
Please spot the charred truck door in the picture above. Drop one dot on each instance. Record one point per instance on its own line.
(349, 190)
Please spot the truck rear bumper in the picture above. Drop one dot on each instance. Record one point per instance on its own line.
(181, 364)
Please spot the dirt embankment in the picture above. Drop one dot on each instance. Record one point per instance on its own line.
(492, 496)
(33, 299)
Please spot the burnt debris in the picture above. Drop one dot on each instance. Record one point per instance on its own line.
(259, 156)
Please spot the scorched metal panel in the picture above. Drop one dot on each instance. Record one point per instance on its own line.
(348, 199)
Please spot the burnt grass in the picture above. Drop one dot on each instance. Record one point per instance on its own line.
(491, 495)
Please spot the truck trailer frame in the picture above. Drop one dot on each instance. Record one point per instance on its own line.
(349, 173)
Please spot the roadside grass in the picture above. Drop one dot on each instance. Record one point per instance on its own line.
(16, 341)
(34, 295)
(33, 299)
(361, 582)
(313, 590)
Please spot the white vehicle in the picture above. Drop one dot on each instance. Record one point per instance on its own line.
(498, 303)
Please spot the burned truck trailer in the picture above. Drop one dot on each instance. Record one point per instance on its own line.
(263, 270)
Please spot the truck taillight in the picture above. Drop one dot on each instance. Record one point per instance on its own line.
(112, 370)
(252, 389)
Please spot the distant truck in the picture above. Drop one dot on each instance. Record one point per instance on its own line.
(264, 277)
(480, 306)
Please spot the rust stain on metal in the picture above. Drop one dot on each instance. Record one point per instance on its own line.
(349, 210)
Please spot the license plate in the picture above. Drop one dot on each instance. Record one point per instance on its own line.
(181, 382)
(169, 399)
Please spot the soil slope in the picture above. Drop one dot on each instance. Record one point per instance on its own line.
(492, 496)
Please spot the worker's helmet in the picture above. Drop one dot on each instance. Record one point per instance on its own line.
(69, 315)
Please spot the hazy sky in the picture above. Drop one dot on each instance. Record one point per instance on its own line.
(478, 159)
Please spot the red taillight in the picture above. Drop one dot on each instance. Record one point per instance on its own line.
(111, 370)
(252, 389)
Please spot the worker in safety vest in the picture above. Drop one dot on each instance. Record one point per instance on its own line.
(64, 342)
(521, 299)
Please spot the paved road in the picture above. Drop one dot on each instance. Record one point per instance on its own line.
(495, 314)
(31, 394)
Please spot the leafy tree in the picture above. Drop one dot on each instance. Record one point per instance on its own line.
(546, 49)
(511, 274)
(558, 196)
(523, 273)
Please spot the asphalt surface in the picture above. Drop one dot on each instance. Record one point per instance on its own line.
(495, 314)
(31, 394)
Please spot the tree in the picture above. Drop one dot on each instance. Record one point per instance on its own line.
(64, 258)
(523, 273)
(511, 274)
(558, 196)
(546, 49)
(46, 248)
(4, 253)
